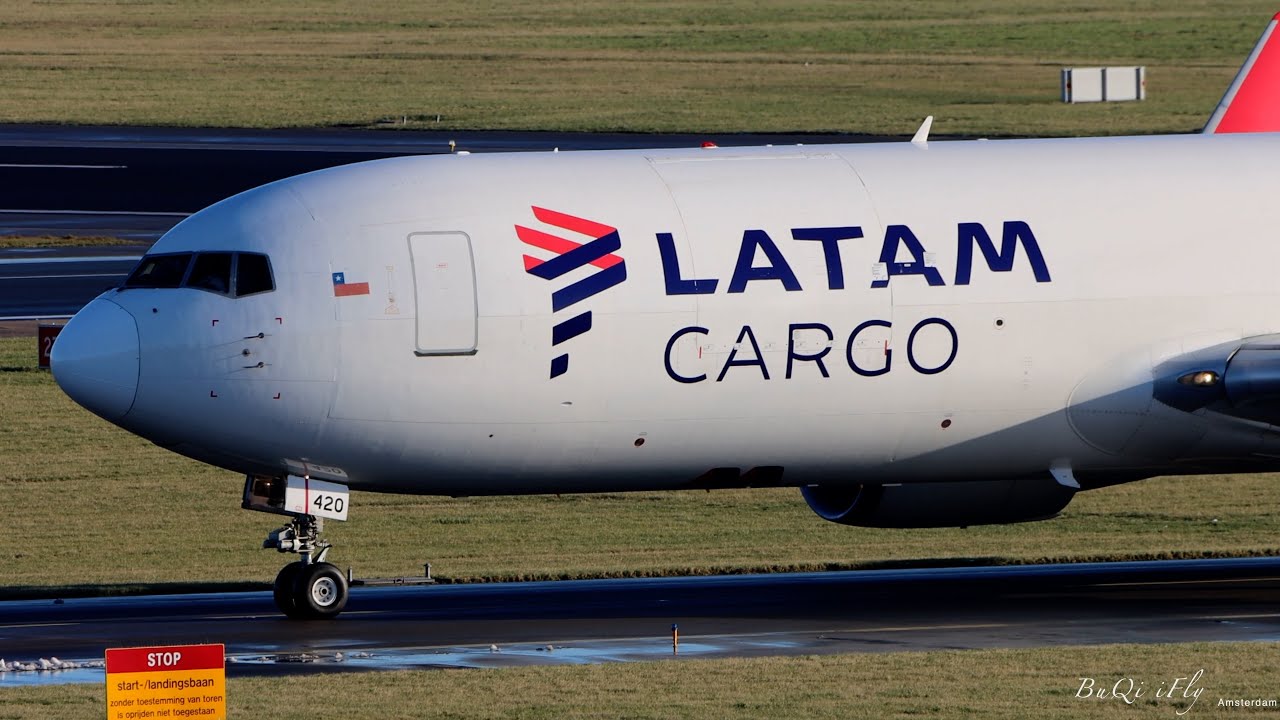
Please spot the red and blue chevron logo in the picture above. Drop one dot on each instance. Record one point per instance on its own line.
(601, 242)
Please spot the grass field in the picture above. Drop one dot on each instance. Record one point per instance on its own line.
(96, 506)
(998, 684)
(988, 68)
(56, 241)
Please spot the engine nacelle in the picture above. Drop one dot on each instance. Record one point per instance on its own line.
(1239, 378)
(940, 504)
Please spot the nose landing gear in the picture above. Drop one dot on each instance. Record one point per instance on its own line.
(309, 589)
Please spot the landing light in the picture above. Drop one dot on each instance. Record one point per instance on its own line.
(1200, 378)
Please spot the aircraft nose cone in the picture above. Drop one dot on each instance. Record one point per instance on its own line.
(95, 359)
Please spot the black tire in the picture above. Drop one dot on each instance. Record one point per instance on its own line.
(283, 590)
(320, 591)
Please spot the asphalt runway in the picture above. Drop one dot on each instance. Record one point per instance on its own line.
(56, 285)
(143, 171)
(136, 183)
(510, 624)
(142, 227)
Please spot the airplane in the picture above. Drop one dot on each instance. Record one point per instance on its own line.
(914, 334)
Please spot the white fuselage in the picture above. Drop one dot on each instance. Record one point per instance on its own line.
(879, 315)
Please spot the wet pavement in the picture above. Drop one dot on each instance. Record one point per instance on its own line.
(629, 620)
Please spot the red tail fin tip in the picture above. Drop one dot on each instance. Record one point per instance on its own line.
(1252, 103)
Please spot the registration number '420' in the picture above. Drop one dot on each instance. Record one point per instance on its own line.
(316, 497)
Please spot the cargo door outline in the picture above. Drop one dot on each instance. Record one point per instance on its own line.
(444, 291)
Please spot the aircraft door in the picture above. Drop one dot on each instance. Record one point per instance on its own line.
(444, 283)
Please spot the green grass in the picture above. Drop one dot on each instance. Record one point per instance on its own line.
(57, 241)
(996, 684)
(101, 511)
(987, 68)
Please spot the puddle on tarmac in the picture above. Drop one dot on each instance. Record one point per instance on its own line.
(52, 677)
(482, 656)
(569, 654)
(515, 655)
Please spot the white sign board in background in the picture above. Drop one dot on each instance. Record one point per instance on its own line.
(1104, 84)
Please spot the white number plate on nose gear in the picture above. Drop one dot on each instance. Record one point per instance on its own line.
(316, 497)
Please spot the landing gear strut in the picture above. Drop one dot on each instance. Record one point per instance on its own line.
(310, 589)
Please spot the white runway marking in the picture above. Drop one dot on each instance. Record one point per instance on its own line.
(63, 167)
(51, 277)
(27, 211)
(1186, 582)
(89, 258)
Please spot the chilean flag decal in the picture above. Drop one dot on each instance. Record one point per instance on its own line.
(601, 241)
(342, 288)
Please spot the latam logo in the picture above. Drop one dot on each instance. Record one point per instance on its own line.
(597, 250)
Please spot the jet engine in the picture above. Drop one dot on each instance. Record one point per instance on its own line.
(940, 504)
(1240, 379)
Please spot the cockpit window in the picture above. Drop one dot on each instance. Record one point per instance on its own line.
(253, 274)
(159, 271)
(212, 272)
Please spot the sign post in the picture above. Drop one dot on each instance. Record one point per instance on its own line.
(161, 683)
(46, 335)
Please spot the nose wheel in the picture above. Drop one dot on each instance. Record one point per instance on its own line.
(310, 589)
(315, 591)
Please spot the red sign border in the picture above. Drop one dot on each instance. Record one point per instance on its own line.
(194, 657)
